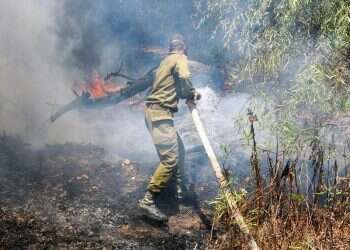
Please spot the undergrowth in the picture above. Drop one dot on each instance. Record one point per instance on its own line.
(298, 203)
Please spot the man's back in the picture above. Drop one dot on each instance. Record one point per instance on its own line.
(164, 86)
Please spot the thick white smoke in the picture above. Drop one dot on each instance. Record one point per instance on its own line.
(35, 83)
(31, 80)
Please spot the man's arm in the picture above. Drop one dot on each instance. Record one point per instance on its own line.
(184, 87)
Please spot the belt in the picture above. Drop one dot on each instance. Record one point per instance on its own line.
(157, 106)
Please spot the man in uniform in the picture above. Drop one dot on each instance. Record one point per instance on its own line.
(171, 83)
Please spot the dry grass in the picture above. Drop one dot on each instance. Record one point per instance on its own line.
(288, 222)
(288, 210)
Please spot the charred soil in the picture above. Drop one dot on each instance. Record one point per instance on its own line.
(70, 197)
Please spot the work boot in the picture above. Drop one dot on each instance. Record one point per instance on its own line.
(179, 193)
(184, 195)
(148, 205)
(182, 192)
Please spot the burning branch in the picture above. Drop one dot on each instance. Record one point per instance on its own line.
(100, 93)
(118, 74)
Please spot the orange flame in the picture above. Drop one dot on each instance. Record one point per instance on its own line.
(96, 88)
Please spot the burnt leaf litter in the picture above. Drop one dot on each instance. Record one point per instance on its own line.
(70, 197)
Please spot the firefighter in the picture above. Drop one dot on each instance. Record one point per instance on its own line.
(171, 83)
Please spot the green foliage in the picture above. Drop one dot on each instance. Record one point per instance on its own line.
(299, 198)
(221, 203)
(302, 46)
(266, 35)
(294, 138)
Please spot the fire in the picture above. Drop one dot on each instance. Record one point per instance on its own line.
(96, 88)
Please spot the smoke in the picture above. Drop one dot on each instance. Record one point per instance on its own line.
(97, 35)
(31, 79)
(47, 45)
(35, 81)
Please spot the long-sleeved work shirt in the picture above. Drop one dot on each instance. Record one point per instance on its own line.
(172, 82)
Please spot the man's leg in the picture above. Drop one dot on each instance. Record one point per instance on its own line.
(165, 140)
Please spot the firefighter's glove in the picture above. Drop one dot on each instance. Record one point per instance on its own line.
(196, 97)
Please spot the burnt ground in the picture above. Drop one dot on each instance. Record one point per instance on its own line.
(70, 197)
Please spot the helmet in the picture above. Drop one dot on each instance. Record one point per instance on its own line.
(177, 42)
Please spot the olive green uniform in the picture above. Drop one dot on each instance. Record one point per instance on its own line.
(170, 84)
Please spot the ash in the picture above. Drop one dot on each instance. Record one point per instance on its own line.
(70, 196)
